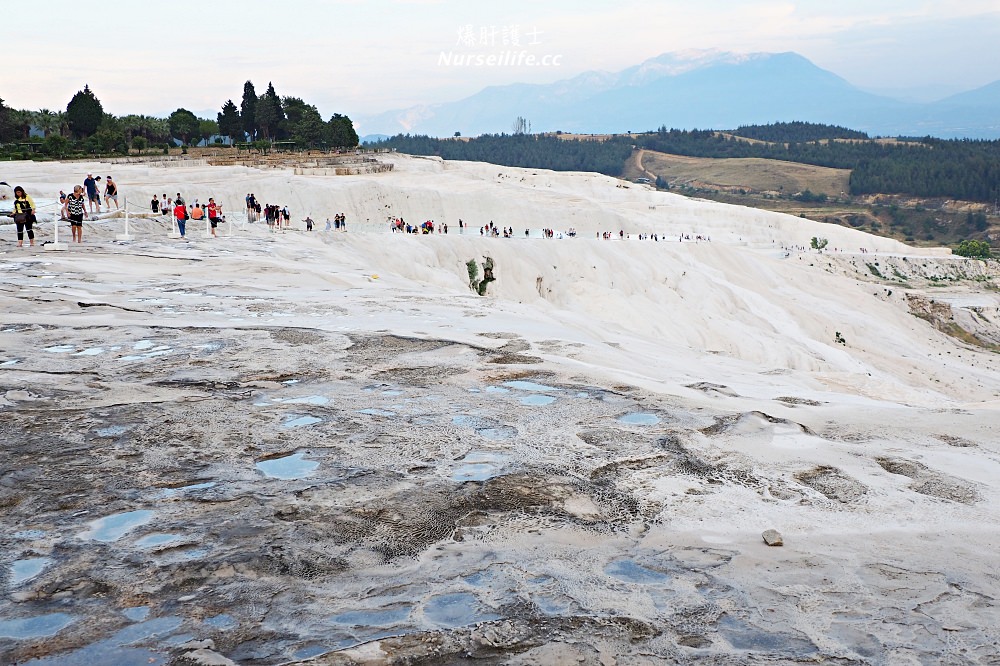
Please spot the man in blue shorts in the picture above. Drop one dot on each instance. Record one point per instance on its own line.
(90, 185)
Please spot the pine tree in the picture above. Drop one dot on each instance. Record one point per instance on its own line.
(269, 113)
(229, 121)
(248, 110)
(84, 113)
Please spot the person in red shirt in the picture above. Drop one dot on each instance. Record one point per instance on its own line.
(213, 214)
(180, 213)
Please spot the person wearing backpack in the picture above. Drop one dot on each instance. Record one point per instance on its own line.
(24, 216)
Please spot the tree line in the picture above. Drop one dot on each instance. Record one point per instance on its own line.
(85, 128)
(931, 168)
(952, 168)
(797, 132)
(273, 118)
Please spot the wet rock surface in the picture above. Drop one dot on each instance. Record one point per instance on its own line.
(266, 491)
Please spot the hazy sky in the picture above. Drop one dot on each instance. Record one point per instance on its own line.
(365, 56)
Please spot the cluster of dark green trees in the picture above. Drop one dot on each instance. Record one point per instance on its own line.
(797, 131)
(85, 129)
(272, 118)
(537, 151)
(955, 169)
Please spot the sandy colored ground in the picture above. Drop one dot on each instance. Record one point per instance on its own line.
(751, 174)
(576, 468)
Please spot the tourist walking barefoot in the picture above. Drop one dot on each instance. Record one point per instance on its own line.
(181, 214)
(90, 184)
(76, 207)
(24, 216)
(110, 194)
(213, 215)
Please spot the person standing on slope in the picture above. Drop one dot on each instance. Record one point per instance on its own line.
(90, 185)
(75, 208)
(181, 215)
(24, 216)
(110, 194)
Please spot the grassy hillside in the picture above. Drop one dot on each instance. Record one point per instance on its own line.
(778, 186)
(738, 175)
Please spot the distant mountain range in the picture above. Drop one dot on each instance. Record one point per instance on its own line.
(698, 89)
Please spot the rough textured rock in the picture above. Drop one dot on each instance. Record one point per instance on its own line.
(773, 538)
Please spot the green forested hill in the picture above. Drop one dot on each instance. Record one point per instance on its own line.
(930, 168)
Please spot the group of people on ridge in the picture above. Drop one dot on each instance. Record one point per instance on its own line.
(182, 212)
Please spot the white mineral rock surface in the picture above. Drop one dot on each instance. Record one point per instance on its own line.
(319, 443)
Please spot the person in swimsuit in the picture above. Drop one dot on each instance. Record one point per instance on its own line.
(110, 194)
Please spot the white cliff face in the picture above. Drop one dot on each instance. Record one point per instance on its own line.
(303, 442)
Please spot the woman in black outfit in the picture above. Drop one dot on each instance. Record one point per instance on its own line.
(24, 216)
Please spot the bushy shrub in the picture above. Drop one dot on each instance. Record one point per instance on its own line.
(974, 248)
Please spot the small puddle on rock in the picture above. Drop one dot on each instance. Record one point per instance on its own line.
(498, 433)
(156, 540)
(554, 605)
(639, 418)
(459, 609)
(116, 650)
(478, 466)
(530, 386)
(485, 427)
(61, 349)
(114, 527)
(310, 651)
(376, 412)
(170, 492)
(24, 570)
(158, 351)
(193, 554)
(537, 400)
(742, 636)
(307, 400)
(137, 613)
(373, 618)
(93, 351)
(290, 467)
(300, 421)
(631, 572)
(40, 626)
